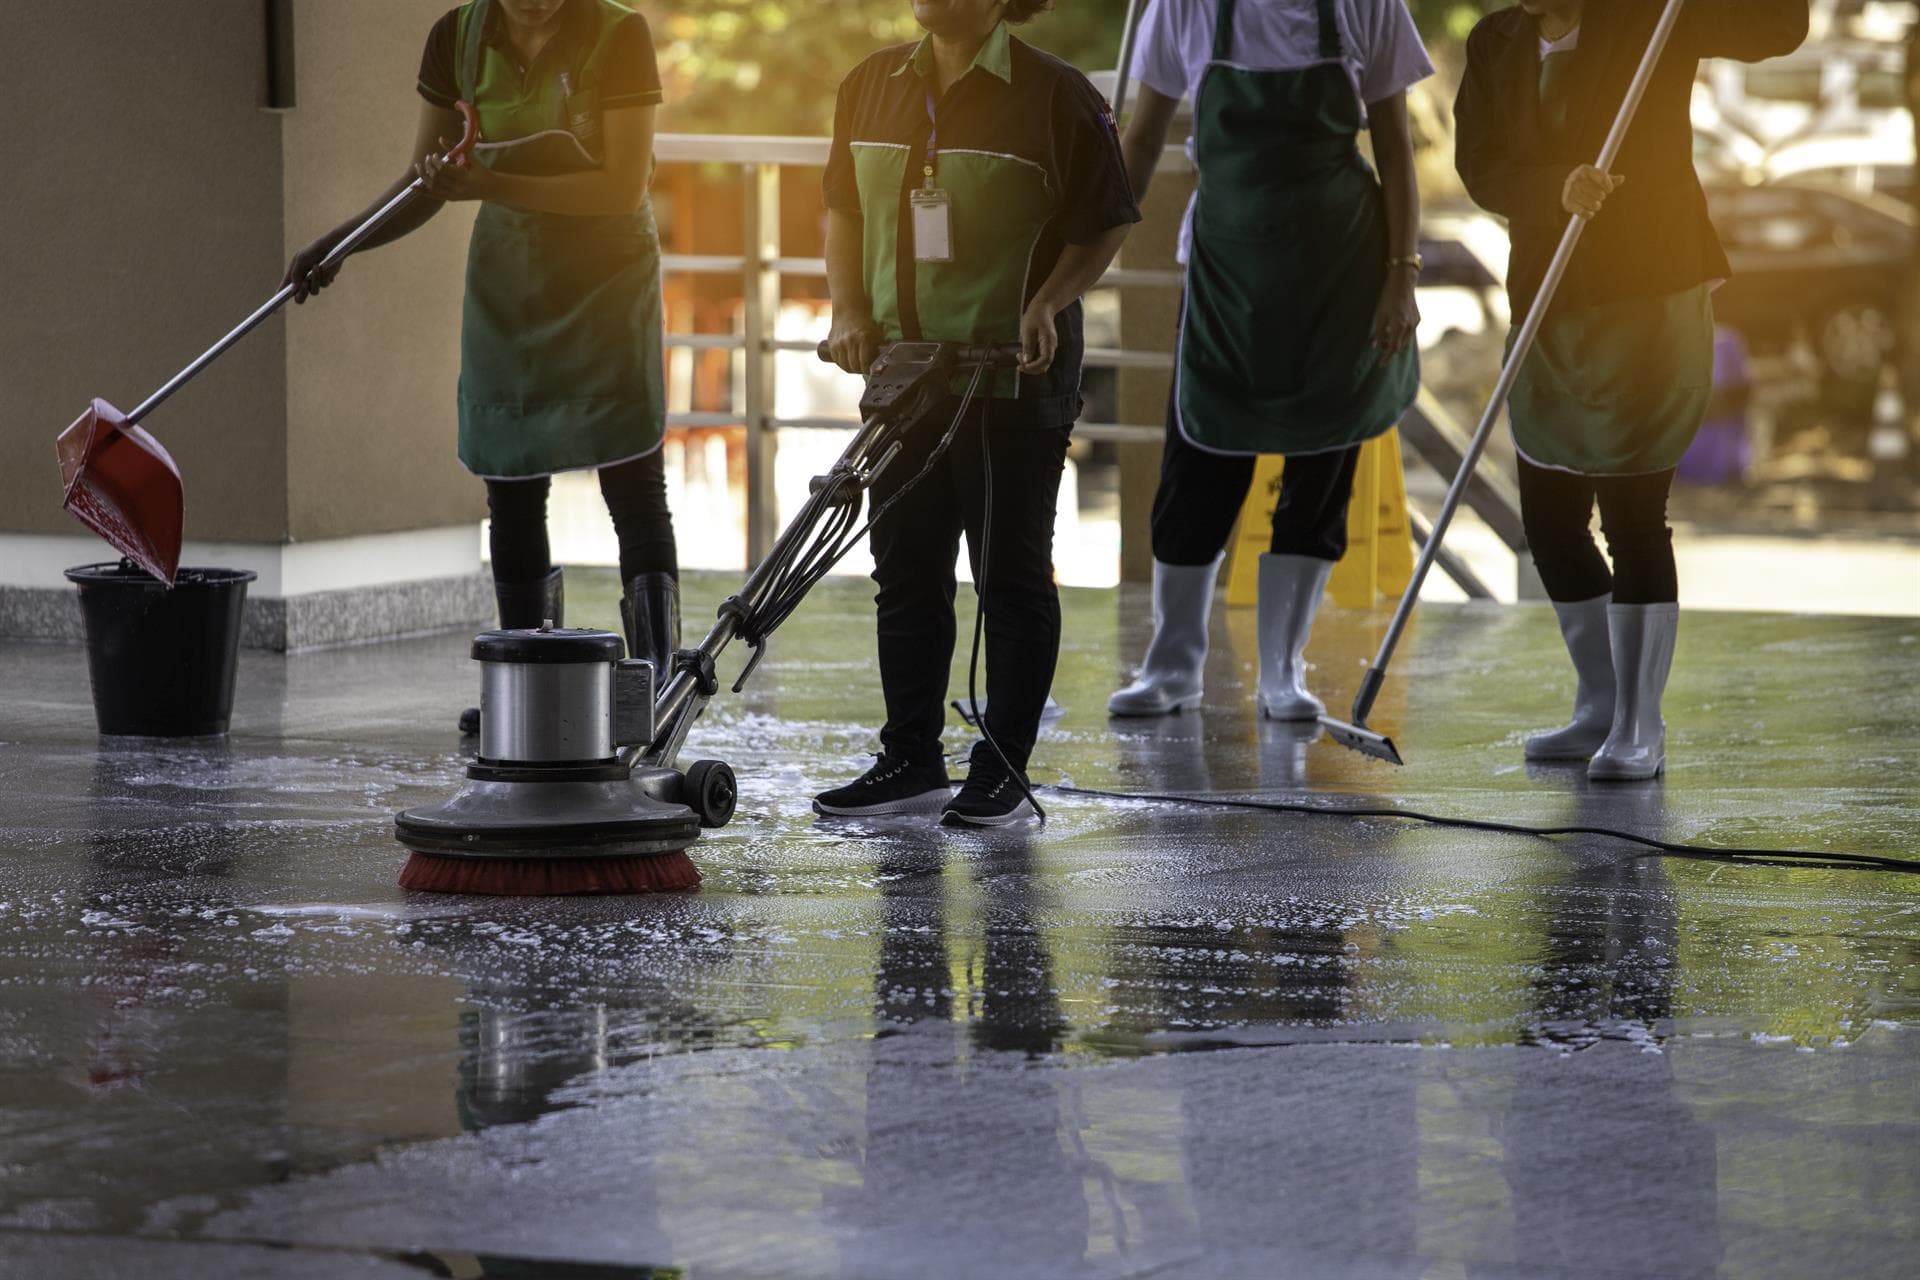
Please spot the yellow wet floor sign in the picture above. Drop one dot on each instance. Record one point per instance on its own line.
(1379, 560)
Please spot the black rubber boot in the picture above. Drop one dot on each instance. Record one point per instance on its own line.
(524, 606)
(650, 611)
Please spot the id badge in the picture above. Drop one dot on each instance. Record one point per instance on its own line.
(932, 225)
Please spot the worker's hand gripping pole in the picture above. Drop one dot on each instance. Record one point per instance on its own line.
(459, 155)
(1356, 734)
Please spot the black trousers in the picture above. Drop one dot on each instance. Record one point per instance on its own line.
(636, 495)
(1557, 509)
(1201, 493)
(915, 547)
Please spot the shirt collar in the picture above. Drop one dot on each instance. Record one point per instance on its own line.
(576, 23)
(995, 57)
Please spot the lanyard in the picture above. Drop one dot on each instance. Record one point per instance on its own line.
(933, 139)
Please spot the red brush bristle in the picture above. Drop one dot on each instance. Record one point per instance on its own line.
(549, 877)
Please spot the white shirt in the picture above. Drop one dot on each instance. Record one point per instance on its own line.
(1565, 44)
(1379, 45)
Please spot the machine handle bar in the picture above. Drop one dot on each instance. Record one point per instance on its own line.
(991, 355)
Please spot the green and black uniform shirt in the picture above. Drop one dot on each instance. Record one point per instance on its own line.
(617, 40)
(1026, 150)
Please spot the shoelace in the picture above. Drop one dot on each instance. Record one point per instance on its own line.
(882, 771)
(993, 789)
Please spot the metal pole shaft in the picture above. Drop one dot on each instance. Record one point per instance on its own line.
(1123, 74)
(1510, 372)
(352, 241)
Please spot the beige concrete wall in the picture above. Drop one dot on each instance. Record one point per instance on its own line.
(372, 363)
(140, 220)
(150, 203)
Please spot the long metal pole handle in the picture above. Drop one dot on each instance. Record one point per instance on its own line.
(1123, 74)
(457, 154)
(352, 241)
(1510, 371)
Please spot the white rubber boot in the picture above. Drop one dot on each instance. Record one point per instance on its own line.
(1583, 625)
(1170, 677)
(1290, 592)
(1642, 636)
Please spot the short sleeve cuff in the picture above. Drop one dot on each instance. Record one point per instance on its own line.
(843, 202)
(1164, 85)
(1085, 228)
(1403, 80)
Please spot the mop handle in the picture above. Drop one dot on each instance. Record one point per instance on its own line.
(353, 240)
(1123, 74)
(1510, 371)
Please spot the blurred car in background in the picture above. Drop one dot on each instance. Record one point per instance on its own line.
(1821, 265)
(1868, 164)
(1884, 20)
(1834, 86)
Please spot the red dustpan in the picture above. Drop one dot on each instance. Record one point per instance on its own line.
(122, 485)
(120, 481)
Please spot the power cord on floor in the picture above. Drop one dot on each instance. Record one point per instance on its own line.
(1654, 847)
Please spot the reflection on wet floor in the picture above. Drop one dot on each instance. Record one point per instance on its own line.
(1146, 1039)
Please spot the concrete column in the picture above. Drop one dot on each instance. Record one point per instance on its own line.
(152, 201)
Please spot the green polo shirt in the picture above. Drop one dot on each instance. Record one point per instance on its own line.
(1027, 151)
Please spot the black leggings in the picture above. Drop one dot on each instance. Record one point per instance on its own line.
(915, 546)
(1201, 494)
(636, 494)
(1557, 508)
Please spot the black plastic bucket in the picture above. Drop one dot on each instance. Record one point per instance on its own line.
(162, 660)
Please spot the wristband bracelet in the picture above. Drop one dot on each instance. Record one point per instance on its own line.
(1413, 260)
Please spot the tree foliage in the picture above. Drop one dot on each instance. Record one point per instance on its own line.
(771, 66)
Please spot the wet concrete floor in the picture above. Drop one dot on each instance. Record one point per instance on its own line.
(1148, 1040)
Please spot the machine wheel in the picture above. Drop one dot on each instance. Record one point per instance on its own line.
(711, 792)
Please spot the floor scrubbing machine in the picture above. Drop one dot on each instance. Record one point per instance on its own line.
(577, 771)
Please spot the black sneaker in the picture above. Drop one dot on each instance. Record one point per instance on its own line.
(891, 786)
(990, 798)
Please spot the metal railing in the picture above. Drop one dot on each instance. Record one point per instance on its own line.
(761, 268)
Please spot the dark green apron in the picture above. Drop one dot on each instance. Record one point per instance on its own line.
(1615, 388)
(1288, 263)
(560, 342)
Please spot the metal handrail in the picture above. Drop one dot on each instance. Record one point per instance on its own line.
(790, 151)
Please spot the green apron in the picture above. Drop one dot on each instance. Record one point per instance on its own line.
(1288, 263)
(560, 341)
(1614, 388)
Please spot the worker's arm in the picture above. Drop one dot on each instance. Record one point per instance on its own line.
(1745, 30)
(1397, 320)
(618, 186)
(1146, 138)
(1078, 270)
(1097, 209)
(1483, 148)
(855, 337)
(434, 125)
